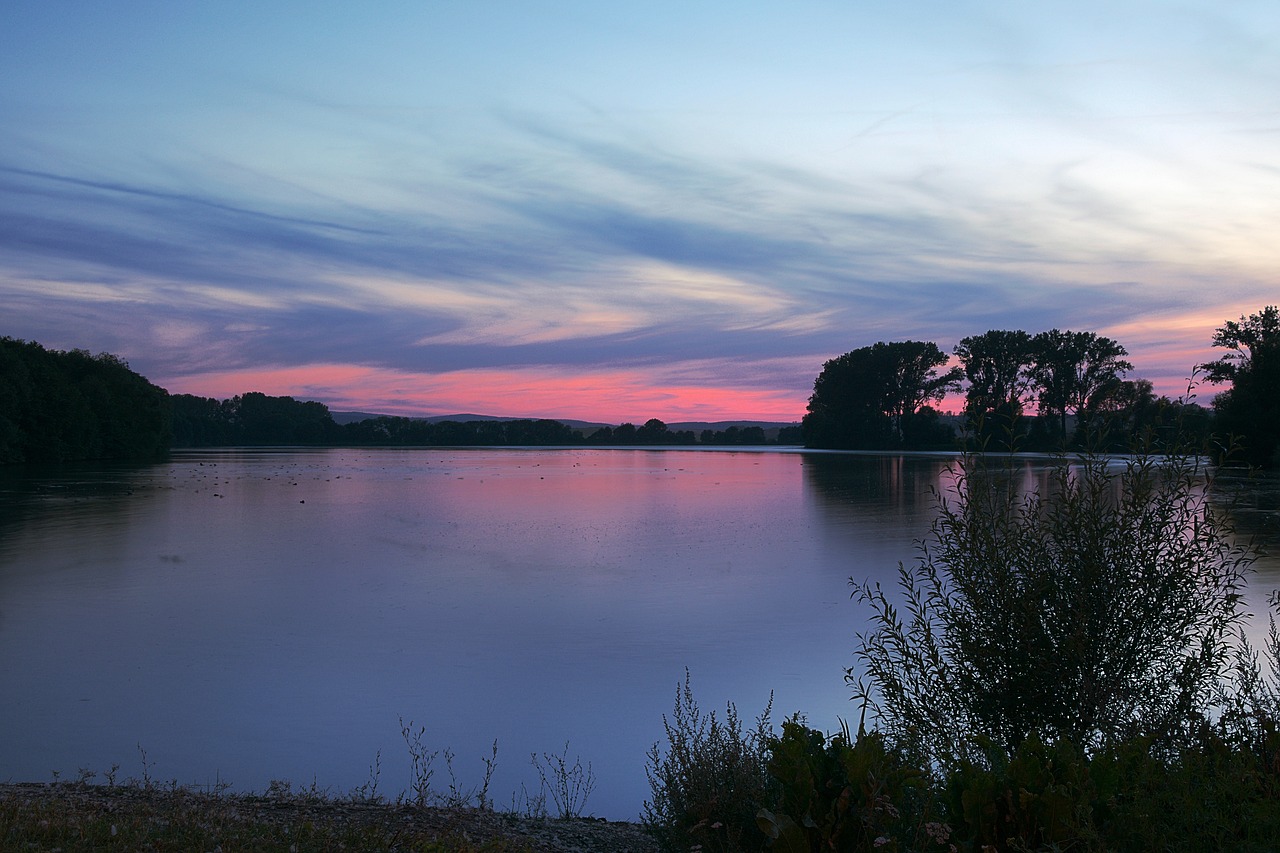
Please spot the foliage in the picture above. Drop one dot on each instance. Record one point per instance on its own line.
(751, 435)
(995, 365)
(67, 406)
(1097, 609)
(1040, 797)
(839, 794)
(710, 782)
(866, 397)
(1076, 372)
(1251, 408)
(1212, 795)
(1208, 795)
(252, 419)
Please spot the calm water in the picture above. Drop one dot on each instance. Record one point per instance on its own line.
(246, 616)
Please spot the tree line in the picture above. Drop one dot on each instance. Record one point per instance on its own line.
(883, 396)
(71, 406)
(64, 406)
(258, 419)
(68, 406)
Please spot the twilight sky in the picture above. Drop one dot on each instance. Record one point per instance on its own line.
(618, 211)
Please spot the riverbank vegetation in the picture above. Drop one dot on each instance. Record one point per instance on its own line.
(1064, 667)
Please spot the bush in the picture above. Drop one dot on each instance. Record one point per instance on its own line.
(711, 781)
(838, 794)
(1099, 611)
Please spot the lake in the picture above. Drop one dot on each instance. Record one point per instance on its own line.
(241, 616)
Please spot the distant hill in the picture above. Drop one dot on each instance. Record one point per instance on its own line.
(719, 426)
(353, 417)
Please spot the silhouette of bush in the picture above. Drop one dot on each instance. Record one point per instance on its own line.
(1098, 608)
(711, 780)
(836, 793)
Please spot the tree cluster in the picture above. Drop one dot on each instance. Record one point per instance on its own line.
(883, 396)
(256, 419)
(68, 406)
(252, 419)
(653, 431)
(410, 432)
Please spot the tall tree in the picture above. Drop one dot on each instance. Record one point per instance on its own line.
(863, 398)
(1251, 408)
(1076, 372)
(995, 364)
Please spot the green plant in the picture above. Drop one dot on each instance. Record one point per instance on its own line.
(840, 794)
(711, 781)
(1040, 797)
(1097, 608)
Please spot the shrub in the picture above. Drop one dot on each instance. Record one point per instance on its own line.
(711, 781)
(839, 794)
(1099, 611)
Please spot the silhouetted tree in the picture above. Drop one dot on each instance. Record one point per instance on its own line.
(862, 398)
(995, 365)
(654, 431)
(1076, 372)
(1251, 408)
(790, 435)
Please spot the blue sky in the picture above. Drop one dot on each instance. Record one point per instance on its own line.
(622, 211)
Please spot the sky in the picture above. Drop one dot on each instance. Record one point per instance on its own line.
(617, 211)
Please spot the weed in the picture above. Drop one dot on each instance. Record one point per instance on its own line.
(368, 791)
(146, 782)
(421, 760)
(712, 779)
(570, 784)
(530, 805)
(460, 797)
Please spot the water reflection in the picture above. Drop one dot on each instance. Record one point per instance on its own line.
(66, 494)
